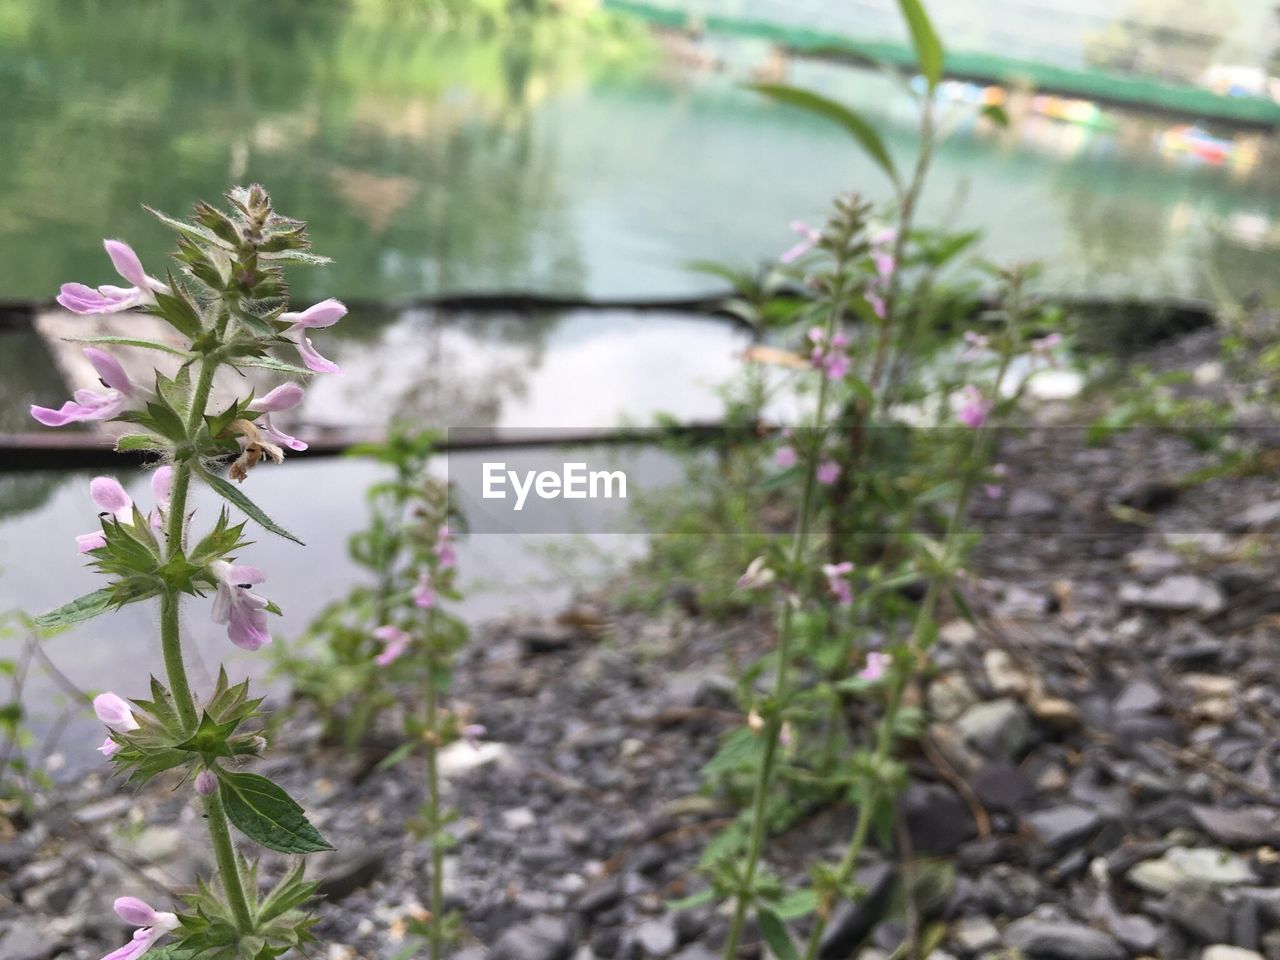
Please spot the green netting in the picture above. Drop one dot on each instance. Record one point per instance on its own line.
(1193, 103)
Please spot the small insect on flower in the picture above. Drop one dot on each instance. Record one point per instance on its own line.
(152, 926)
(254, 445)
(79, 298)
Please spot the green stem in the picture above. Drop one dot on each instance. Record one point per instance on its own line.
(773, 723)
(924, 617)
(433, 796)
(224, 852)
(175, 668)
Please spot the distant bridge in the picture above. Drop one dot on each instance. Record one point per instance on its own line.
(1174, 100)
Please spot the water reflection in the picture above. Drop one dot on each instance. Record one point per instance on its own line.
(432, 162)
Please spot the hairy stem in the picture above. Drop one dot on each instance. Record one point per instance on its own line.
(773, 723)
(175, 667)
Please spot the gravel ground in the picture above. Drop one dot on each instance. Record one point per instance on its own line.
(1097, 771)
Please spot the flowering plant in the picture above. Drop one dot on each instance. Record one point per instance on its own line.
(228, 306)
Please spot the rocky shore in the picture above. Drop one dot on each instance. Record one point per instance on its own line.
(1096, 779)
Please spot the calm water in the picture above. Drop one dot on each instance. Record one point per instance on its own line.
(429, 162)
(432, 163)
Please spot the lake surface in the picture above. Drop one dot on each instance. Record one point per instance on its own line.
(432, 163)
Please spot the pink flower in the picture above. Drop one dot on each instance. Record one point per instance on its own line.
(837, 365)
(838, 583)
(323, 314)
(828, 472)
(93, 404)
(396, 641)
(78, 298)
(877, 304)
(472, 732)
(785, 457)
(115, 713)
(244, 613)
(809, 238)
(284, 397)
(975, 345)
(112, 500)
(162, 490)
(152, 926)
(994, 490)
(877, 664)
(206, 782)
(757, 576)
(424, 594)
(974, 407)
(444, 549)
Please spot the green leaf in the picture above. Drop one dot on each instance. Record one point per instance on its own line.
(271, 363)
(396, 756)
(797, 903)
(131, 342)
(264, 813)
(693, 900)
(854, 125)
(179, 311)
(775, 935)
(996, 114)
(189, 229)
(924, 39)
(231, 493)
(78, 610)
(140, 441)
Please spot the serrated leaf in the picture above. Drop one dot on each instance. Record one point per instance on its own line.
(924, 39)
(233, 495)
(775, 935)
(179, 311)
(264, 813)
(854, 125)
(78, 610)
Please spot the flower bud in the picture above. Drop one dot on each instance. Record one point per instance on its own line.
(206, 783)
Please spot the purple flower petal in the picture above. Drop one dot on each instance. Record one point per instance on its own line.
(90, 541)
(136, 912)
(312, 359)
(110, 496)
(323, 314)
(284, 397)
(126, 262)
(114, 712)
(109, 369)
